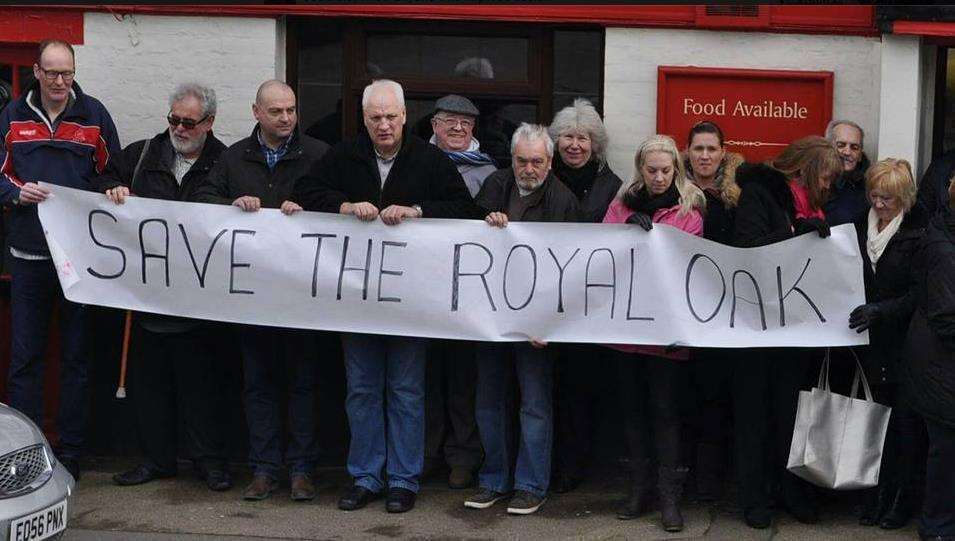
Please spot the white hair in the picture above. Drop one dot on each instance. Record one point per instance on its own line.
(202, 93)
(583, 118)
(530, 133)
(831, 130)
(383, 84)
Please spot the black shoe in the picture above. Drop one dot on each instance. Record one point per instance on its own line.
(525, 503)
(485, 498)
(900, 511)
(874, 506)
(72, 465)
(355, 498)
(563, 483)
(399, 500)
(758, 517)
(218, 480)
(138, 475)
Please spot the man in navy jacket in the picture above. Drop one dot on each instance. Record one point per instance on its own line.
(57, 135)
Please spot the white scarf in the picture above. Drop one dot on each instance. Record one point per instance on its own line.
(877, 240)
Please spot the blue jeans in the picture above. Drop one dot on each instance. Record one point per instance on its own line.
(33, 292)
(385, 436)
(268, 354)
(497, 364)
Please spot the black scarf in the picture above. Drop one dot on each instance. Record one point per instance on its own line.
(643, 202)
(579, 180)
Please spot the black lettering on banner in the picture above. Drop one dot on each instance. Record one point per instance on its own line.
(318, 252)
(343, 269)
(456, 274)
(201, 276)
(633, 271)
(146, 255)
(507, 262)
(782, 306)
(612, 285)
(96, 241)
(689, 301)
(560, 277)
(382, 271)
(759, 299)
(233, 265)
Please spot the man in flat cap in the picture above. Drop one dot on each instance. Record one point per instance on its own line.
(450, 377)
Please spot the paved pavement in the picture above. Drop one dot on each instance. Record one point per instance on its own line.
(181, 508)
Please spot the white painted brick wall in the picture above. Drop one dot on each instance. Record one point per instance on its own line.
(633, 54)
(133, 65)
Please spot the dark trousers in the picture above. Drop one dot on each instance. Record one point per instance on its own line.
(34, 291)
(175, 372)
(711, 378)
(905, 442)
(649, 398)
(450, 386)
(576, 372)
(766, 384)
(276, 360)
(938, 509)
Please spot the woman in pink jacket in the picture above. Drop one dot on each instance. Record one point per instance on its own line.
(650, 376)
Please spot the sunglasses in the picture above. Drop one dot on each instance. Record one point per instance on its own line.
(187, 123)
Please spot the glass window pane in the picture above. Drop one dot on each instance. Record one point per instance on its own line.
(26, 77)
(950, 102)
(578, 62)
(320, 69)
(6, 87)
(438, 57)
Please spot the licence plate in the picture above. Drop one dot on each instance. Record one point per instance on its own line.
(40, 525)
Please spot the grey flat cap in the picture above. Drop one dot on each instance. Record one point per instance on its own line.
(453, 103)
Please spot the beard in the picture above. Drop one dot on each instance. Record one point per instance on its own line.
(529, 183)
(187, 147)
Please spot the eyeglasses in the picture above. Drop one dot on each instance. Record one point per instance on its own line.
(52, 76)
(465, 123)
(884, 199)
(187, 123)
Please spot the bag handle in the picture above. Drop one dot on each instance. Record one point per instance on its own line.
(860, 376)
(823, 382)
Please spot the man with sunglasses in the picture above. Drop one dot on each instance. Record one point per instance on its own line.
(176, 368)
(56, 135)
(261, 171)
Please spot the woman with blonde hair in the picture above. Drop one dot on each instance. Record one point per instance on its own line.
(650, 377)
(889, 235)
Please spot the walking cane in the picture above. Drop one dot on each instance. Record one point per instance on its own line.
(121, 390)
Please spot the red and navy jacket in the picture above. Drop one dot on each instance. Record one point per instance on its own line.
(80, 150)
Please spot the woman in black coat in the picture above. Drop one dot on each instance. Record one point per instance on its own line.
(928, 374)
(778, 201)
(889, 234)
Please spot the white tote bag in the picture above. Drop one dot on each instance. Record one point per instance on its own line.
(838, 440)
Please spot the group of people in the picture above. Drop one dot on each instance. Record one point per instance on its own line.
(409, 399)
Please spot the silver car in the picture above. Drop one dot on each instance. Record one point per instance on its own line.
(35, 489)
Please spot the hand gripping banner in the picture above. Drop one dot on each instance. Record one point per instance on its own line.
(453, 278)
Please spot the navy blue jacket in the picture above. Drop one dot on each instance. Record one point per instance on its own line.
(78, 151)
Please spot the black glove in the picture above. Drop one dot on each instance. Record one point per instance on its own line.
(865, 316)
(641, 219)
(808, 225)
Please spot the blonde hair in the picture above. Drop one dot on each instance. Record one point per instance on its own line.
(894, 176)
(691, 196)
(810, 159)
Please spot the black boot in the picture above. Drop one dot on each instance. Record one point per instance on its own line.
(709, 464)
(900, 510)
(638, 500)
(874, 505)
(670, 487)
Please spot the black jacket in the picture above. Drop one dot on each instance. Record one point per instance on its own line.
(766, 212)
(552, 202)
(928, 373)
(155, 179)
(242, 171)
(421, 175)
(848, 202)
(595, 193)
(890, 286)
(933, 189)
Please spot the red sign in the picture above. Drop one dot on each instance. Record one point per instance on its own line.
(759, 111)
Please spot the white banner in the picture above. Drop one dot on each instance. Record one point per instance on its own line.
(453, 278)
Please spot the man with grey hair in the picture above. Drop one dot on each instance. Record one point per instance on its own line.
(396, 176)
(847, 200)
(176, 365)
(527, 191)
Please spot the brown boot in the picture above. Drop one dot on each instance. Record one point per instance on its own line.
(670, 486)
(638, 500)
(303, 489)
(260, 488)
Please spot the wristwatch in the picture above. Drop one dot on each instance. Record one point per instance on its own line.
(418, 208)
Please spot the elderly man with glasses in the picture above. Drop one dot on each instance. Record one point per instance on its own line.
(175, 369)
(57, 135)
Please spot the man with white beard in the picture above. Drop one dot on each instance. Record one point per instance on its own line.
(175, 370)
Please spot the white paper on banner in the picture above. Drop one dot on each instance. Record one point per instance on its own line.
(64, 266)
(599, 283)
